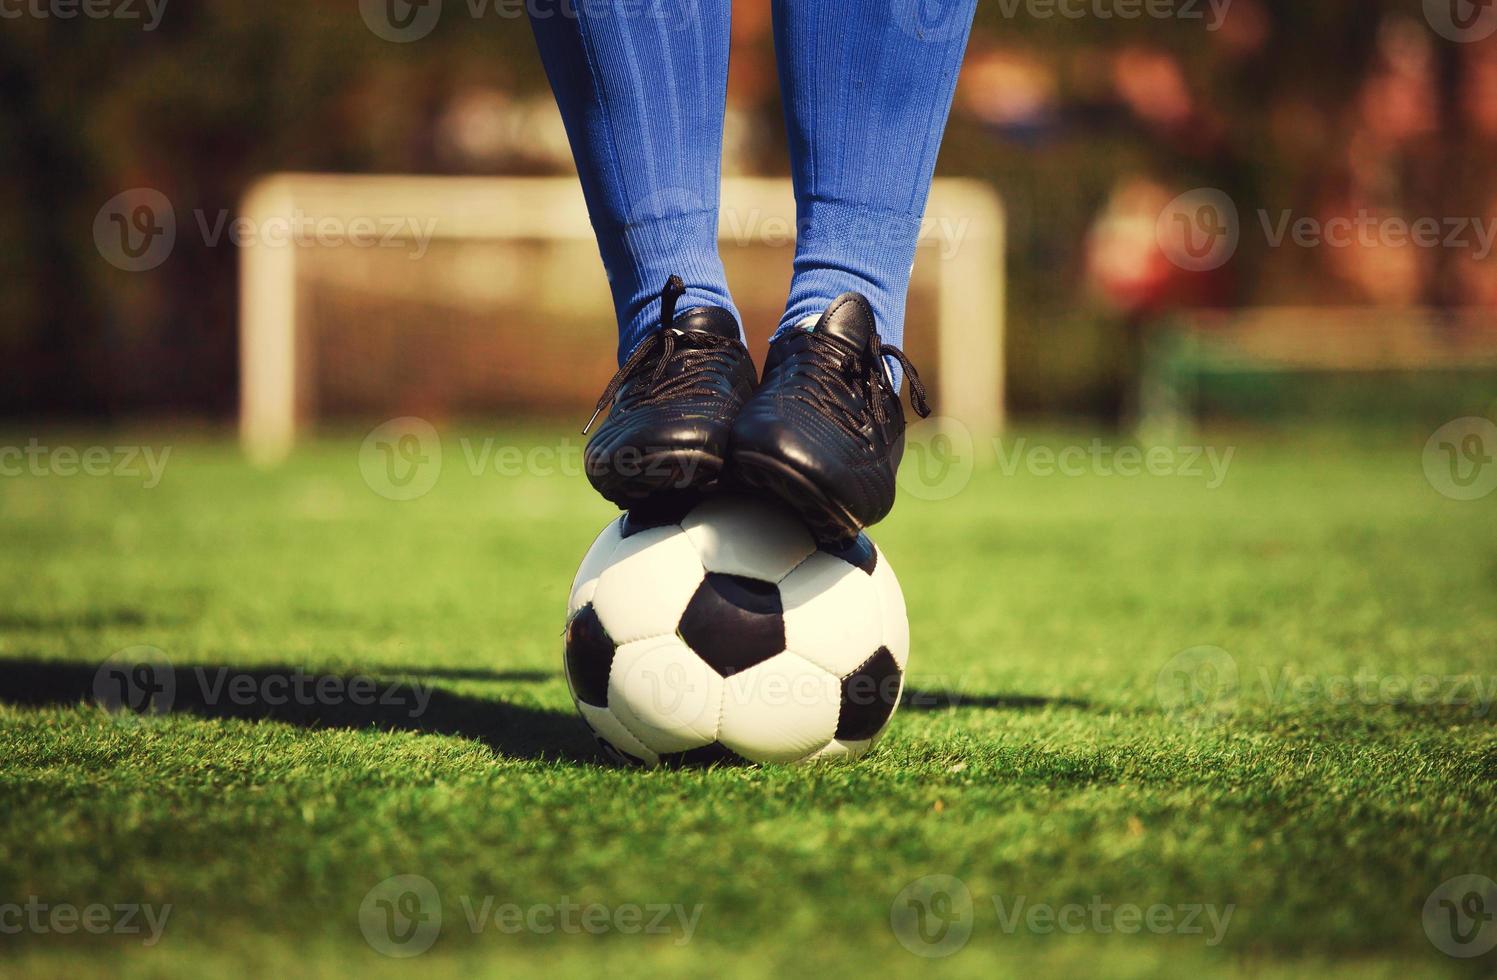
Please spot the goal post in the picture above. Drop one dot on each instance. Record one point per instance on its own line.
(290, 224)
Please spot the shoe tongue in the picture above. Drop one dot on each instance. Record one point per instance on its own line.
(707, 319)
(849, 320)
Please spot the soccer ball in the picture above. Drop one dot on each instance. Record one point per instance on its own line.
(718, 631)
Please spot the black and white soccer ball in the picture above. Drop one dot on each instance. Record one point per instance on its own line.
(721, 632)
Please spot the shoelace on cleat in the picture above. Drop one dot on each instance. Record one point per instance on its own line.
(697, 353)
(836, 374)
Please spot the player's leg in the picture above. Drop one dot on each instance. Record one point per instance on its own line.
(642, 90)
(867, 90)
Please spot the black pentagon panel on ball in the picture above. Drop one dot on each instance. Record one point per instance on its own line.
(713, 754)
(734, 622)
(589, 657)
(858, 552)
(869, 696)
(663, 512)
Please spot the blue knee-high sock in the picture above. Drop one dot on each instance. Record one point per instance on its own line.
(867, 89)
(642, 89)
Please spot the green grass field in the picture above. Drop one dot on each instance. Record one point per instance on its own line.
(1314, 807)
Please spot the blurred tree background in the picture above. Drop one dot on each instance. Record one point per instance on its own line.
(1087, 125)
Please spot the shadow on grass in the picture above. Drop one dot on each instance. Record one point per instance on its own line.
(307, 701)
(363, 701)
(914, 699)
(478, 674)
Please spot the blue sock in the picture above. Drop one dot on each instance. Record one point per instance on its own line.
(642, 89)
(867, 89)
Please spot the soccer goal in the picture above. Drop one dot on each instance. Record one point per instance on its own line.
(365, 297)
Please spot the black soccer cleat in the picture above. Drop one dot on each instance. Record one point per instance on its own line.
(673, 404)
(825, 431)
